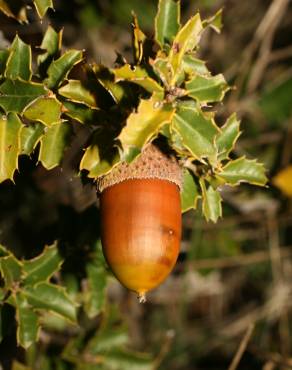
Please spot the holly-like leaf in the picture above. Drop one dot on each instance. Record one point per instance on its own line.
(207, 89)
(30, 137)
(45, 296)
(194, 66)
(185, 41)
(42, 6)
(125, 359)
(243, 170)
(51, 44)
(283, 181)
(42, 267)
(15, 95)
(27, 319)
(77, 92)
(214, 22)
(10, 128)
(53, 144)
(82, 113)
(46, 110)
(227, 137)
(190, 193)
(4, 54)
(138, 76)
(197, 131)
(108, 339)
(167, 21)
(144, 125)
(59, 69)
(212, 208)
(138, 41)
(11, 270)
(19, 61)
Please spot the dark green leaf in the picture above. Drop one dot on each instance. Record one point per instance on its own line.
(215, 21)
(167, 21)
(212, 208)
(51, 44)
(46, 110)
(19, 61)
(42, 6)
(3, 60)
(11, 270)
(30, 137)
(228, 136)
(53, 144)
(207, 89)
(77, 92)
(81, 113)
(10, 147)
(42, 267)
(189, 193)
(193, 66)
(15, 95)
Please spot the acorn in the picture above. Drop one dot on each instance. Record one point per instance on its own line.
(141, 219)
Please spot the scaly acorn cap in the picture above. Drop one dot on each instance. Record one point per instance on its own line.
(151, 164)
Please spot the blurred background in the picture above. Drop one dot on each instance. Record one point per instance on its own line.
(232, 284)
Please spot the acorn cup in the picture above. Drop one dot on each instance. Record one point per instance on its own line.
(141, 219)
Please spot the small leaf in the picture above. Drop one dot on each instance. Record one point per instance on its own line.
(185, 41)
(59, 69)
(27, 330)
(3, 60)
(52, 298)
(42, 267)
(144, 125)
(228, 136)
(243, 170)
(10, 128)
(207, 89)
(196, 130)
(189, 194)
(51, 44)
(82, 113)
(53, 144)
(77, 92)
(19, 61)
(283, 181)
(30, 137)
(108, 339)
(15, 95)
(167, 21)
(138, 76)
(46, 110)
(214, 22)
(11, 270)
(42, 6)
(212, 208)
(193, 66)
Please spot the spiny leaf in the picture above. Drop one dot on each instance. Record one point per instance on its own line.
(59, 68)
(82, 113)
(15, 95)
(192, 65)
(46, 110)
(42, 267)
(243, 170)
(10, 128)
(185, 41)
(53, 144)
(42, 6)
(51, 44)
(3, 60)
(144, 125)
(189, 194)
(214, 22)
(11, 270)
(19, 61)
(207, 89)
(138, 40)
(30, 137)
(27, 330)
(167, 21)
(77, 92)
(283, 181)
(212, 208)
(227, 137)
(21, 16)
(138, 76)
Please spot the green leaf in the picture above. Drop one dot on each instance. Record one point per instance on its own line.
(42, 267)
(11, 270)
(162, 69)
(53, 144)
(42, 6)
(144, 125)
(27, 330)
(108, 339)
(45, 296)
(3, 60)
(243, 170)
(15, 95)
(122, 359)
(228, 136)
(193, 66)
(59, 69)
(185, 41)
(81, 113)
(30, 137)
(19, 61)
(46, 110)
(77, 92)
(138, 41)
(207, 89)
(10, 128)
(197, 131)
(214, 22)
(138, 76)
(51, 44)
(189, 194)
(167, 21)
(212, 208)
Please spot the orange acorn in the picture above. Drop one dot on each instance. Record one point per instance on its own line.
(141, 219)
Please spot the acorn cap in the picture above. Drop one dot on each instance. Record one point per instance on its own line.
(151, 164)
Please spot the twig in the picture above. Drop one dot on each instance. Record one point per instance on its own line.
(241, 349)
